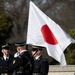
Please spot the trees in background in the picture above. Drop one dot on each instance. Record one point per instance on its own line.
(61, 11)
(5, 25)
(70, 51)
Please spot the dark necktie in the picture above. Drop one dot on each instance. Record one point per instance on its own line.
(6, 59)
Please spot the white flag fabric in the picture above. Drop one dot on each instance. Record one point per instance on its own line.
(42, 31)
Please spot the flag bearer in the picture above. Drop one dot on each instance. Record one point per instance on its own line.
(41, 66)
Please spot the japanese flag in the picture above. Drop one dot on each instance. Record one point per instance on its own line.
(43, 31)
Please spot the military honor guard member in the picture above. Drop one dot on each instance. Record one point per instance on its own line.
(22, 63)
(41, 66)
(5, 60)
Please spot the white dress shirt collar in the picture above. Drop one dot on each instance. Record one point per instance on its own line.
(37, 57)
(23, 51)
(5, 57)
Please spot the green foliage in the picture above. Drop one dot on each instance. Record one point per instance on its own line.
(70, 51)
(72, 33)
(5, 25)
(70, 56)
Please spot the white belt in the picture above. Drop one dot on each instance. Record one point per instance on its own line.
(4, 74)
(36, 74)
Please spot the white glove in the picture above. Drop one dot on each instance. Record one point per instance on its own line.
(16, 54)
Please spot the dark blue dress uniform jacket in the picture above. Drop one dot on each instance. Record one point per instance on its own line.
(22, 64)
(4, 65)
(41, 66)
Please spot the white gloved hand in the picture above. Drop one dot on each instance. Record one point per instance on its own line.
(16, 54)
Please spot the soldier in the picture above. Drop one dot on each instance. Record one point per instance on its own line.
(22, 63)
(5, 60)
(41, 66)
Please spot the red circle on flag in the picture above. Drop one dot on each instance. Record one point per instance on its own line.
(48, 35)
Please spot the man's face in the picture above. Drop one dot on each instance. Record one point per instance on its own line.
(5, 52)
(18, 49)
(34, 53)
